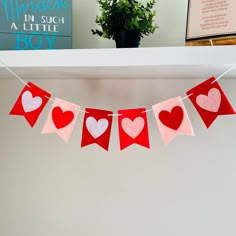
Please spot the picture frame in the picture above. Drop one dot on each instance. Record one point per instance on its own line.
(211, 19)
(35, 25)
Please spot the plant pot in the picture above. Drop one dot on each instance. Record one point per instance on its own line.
(127, 39)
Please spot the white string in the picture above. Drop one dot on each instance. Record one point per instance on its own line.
(226, 72)
(18, 77)
(49, 98)
(122, 114)
(13, 73)
(147, 111)
(82, 111)
(115, 114)
(211, 42)
(181, 99)
(68, 102)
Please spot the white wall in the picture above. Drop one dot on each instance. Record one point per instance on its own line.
(49, 188)
(171, 19)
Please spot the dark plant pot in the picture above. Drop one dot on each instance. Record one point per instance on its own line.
(127, 39)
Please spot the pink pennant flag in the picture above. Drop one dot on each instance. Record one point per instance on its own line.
(61, 119)
(172, 119)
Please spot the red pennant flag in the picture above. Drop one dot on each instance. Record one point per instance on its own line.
(133, 127)
(30, 103)
(210, 101)
(97, 127)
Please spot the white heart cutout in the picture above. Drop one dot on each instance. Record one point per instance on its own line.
(96, 128)
(133, 128)
(29, 102)
(210, 102)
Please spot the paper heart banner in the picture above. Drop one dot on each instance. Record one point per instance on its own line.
(210, 101)
(133, 127)
(97, 127)
(61, 119)
(172, 119)
(30, 103)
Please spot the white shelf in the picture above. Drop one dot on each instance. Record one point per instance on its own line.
(138, 63)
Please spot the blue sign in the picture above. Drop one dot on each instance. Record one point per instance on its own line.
(35, 24)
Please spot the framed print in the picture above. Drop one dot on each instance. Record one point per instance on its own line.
(210, 19)
(34, 25)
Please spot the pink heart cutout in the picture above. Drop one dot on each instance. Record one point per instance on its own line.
(29, 102)
(210, 102)
(133, 128)
(96, 128)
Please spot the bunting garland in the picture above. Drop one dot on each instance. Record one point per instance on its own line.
(171, 115)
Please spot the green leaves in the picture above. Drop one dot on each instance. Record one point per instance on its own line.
(127, 15)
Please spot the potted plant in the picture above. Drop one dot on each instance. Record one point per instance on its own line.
(125, 21)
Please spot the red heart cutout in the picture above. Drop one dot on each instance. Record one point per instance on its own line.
(60, 118)
(172, 119)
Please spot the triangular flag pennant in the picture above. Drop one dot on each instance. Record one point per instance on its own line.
(133, 127)
(210, 101)
(97, 127)
(172, 119)
(61, 119)
(30, 103)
